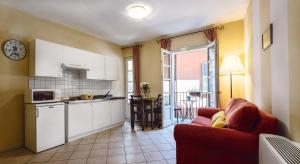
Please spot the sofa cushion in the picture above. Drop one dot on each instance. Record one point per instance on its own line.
(219, 123)
(202, 120)
(216, 116)
(233, 104)
(243, 116)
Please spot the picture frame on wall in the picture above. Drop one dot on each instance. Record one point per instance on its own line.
(267, 37)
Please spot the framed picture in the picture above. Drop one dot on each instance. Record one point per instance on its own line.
(267, 37)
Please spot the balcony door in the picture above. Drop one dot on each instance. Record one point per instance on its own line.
(212, 75)
(167, 60)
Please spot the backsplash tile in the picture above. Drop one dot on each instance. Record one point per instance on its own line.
(71, 84)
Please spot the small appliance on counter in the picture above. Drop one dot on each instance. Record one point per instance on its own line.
(86, 97)
(32, 96)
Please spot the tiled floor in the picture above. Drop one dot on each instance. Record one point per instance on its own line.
(116, 146)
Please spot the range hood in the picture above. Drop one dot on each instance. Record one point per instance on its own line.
(74, 67)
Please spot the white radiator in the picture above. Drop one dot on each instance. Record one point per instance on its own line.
(275, 149)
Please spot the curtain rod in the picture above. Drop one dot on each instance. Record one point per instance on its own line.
(141, 45)
(194, 32)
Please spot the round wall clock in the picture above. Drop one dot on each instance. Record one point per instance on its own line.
(14, 49)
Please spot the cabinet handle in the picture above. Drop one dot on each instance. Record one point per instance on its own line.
(51, 107)
(37, 113)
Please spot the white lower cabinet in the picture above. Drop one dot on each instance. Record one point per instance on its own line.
(80, 118)
(117, 111)
(44, 126)
(101, 113)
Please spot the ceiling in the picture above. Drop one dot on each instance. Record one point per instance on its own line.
(107, 19)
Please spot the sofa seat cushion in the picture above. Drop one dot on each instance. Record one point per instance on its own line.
(202, 121)
(243, 117)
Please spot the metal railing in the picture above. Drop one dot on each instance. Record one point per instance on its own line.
(191, 101)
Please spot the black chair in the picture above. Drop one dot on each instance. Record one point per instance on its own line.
(136, 110)
(158, 111)
(148, 112)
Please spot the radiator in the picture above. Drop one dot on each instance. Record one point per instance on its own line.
(275, 149)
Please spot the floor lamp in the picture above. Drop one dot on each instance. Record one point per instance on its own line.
(231, 65)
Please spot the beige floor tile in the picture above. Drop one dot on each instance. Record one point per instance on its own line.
(41, 158)
(57, 162)
(119, 144)
(146, 142)
(169, 154)
(67, 148)
(149, 148)
(98, 153)
(158, 162)
(153, 156)
(88, 141)
(118, 159)
(84, 147)
(80, 154)
(133, 150)
(116, 139)
(98, 160)
(131, 143)
(77, 161)
(167, 146)
(61, 156)
(116, 151)
(134, 158)
(171, 161)
(102, 140)
(100, 146)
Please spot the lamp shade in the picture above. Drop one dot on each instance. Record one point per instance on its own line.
(231, 64)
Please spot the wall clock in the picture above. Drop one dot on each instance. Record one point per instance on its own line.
(14, 49)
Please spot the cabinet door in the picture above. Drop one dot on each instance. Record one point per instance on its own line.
(50, 126)
(111, 68)
(80, 119)
(48, 59)
(101, 115)
(117, 108)
(74, 56)
(95, 62)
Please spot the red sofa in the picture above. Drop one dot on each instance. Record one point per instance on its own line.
(199, 143)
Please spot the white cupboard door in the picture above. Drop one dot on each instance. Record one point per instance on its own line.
(74, 56)
(48, 59)
(50, 126)
(117, 108)
(101, 115)
(80, 119)
(95, 62)
(111, 68)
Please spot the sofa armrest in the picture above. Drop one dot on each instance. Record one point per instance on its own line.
(216, 138)
(208, 112)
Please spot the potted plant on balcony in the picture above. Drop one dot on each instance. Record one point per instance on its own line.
(145, 87)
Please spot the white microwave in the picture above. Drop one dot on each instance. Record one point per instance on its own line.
(42, 95)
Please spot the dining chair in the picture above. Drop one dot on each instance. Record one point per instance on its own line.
(136, 110)
(158, 111)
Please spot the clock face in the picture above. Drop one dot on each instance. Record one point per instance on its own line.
(14, 49)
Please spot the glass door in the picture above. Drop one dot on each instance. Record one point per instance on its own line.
(212, 75)
(167, 87)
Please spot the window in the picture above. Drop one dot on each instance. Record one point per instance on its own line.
(129, 78)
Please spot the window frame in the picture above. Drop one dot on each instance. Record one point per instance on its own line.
(127, 80)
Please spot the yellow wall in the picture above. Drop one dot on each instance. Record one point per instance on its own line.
(14, 74)
(231, 42)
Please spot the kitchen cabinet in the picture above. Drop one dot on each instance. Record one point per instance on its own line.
(44, 126)
(80, 118)
(101, 115)
(111, 68)
(95, 63)
(45, 59)
(117, 111)
(74, 56)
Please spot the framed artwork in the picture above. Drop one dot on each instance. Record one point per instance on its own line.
(267, 37)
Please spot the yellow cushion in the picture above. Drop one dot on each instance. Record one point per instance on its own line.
(217, 115)
(219, 123)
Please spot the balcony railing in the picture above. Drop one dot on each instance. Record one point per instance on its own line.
(191, 101)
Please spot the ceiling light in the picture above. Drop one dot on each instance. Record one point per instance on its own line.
(138, 11)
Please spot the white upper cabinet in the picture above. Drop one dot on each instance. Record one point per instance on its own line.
(95, 63)
(111, 68)
(45, 59)
(75, 57)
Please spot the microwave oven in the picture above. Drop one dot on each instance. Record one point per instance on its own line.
(42, 95)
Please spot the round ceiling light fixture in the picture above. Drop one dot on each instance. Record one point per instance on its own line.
(138, 11)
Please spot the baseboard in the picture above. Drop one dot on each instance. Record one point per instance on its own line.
(11, 148)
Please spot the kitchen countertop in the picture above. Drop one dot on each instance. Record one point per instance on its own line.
(78, 100)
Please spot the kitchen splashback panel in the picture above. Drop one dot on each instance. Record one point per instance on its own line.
(72, 84)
